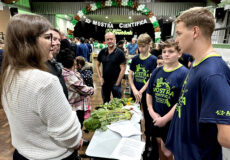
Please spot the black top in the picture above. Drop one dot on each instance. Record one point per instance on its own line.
(87, 76)
(111, 64)
(65, 44)
(185, 58)
(56, 70)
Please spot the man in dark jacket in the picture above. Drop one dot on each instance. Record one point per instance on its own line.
(53, 66)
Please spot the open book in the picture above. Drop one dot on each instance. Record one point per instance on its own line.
(128, 149)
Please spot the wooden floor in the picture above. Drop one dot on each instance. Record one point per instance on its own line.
(6, 149)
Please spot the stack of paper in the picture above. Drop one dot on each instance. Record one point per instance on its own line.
(124, 128)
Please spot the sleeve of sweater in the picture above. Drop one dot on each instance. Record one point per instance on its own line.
(55, 111)
(77, 85)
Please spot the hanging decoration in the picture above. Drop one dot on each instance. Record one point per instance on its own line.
(9, 1)
(225, 4)
(120, 3)
(110, 25)
(70, 33)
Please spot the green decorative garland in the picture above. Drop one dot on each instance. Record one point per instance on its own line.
(223, 3)
(120, 3)
(99, 45)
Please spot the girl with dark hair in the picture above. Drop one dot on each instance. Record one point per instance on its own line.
(41, 121)
(86, 70)
(78, 91)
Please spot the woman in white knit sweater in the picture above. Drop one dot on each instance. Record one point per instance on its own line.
(42, 124)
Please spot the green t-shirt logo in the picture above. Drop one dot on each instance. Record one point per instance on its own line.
(163, 92)
(182, 99)
(140, 74)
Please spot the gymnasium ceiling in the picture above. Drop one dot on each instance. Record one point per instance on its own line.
(113, 18)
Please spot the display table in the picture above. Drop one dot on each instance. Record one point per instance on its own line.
(104, 143)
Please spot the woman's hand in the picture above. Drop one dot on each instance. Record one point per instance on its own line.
(79, 145)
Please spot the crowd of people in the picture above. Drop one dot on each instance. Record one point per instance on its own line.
(46, 83)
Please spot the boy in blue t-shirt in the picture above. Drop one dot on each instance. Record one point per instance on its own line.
(163, 92)
(200, 125)
(140, 69)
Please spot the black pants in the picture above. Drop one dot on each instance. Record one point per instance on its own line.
(80, 115)
(18, 156)
(147, 117)
(106, 90)
(154, 155)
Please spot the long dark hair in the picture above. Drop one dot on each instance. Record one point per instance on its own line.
(22, 50)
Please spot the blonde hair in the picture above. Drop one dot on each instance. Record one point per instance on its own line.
(144, 39)
(198, 16)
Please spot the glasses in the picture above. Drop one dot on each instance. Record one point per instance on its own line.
(48, 36)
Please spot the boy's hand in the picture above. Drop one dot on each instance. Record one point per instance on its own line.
(155, 116)
(140, 95)
(160, 122)
(137, 96)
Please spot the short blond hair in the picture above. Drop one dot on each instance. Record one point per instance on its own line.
(144, 39)
(198, 16)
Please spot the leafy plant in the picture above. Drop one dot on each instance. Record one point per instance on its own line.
(116, 103)
(102, 117)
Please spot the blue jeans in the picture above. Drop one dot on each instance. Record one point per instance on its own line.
(107, 89)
